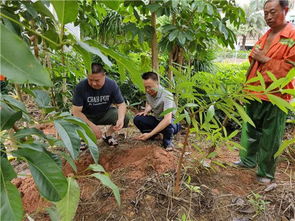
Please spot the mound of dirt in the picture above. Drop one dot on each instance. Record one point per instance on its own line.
(32, 201)
(139, 161)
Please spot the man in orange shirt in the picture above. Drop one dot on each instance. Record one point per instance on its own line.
(274, 52)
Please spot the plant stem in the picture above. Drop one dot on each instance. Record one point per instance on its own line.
(185, 143)
(155, 62)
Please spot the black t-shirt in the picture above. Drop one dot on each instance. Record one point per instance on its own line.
(96, 100)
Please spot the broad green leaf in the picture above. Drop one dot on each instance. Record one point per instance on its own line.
(82, 124)
(125, 62)
(91, 145)
(41, 147)
(67, 207)
(173, 35)
(6, 170)
(87, 135)
(68, 134)
(68, 158)
(96, 168)
(153, 7)
(283, 146)
(29, 132)
(11, 207)
(18, 63)
(14, 102)
(243, 114)
(42, 98)
(181, 38)
(53, 214)
(112, 4)
(8, 116)
(53, 36)
(67, 11)
(107, 182)
(10, 203)
(95, 51)
(280, 103)
(42, 9)
(85, 55)
(48, 177)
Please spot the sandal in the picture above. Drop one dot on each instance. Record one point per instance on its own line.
(83, 145)
(110, 140)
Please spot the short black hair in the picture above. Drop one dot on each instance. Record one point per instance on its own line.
(97, 68)
(150, 75)
(283, 3)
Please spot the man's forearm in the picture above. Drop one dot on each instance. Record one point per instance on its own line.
(148, 108)
(161, 126)
(121, 111)
(84, 118)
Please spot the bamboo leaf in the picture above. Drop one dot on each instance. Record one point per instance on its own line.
(280, 103)
(283, 146)
(243, 114)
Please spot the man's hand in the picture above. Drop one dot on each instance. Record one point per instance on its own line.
(258, 55)
(119, 125)
(97, 131)
(144, 136)
(143, 113)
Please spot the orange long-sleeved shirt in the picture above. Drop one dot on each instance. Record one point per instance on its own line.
(281, 50)
(2, 78)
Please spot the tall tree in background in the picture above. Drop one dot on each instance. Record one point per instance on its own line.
(255, 24)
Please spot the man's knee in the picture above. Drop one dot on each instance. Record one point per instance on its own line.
(137, 120)
(126, 120)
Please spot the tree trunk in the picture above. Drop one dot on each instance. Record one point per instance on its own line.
(155, 62)
(243, 46)
(170, 61)
(180, 56)
(64, 84)
(171, 54)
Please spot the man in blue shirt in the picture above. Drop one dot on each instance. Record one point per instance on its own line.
(92, 102)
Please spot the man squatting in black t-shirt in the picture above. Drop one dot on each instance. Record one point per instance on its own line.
(92, 102)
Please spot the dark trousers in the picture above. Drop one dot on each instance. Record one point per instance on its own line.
(108, 118)
(263, 141)
(147, 123)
